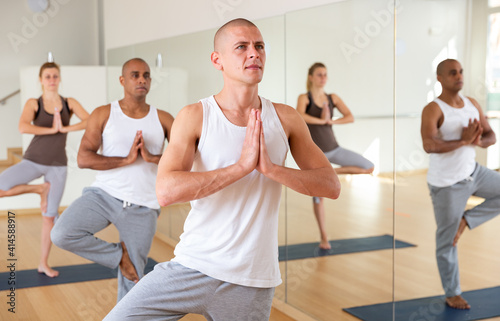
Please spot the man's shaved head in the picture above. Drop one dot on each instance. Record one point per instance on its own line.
(442, 66)
(239, 22)
(125, 65)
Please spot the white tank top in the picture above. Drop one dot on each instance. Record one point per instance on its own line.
(134, 183)
(446, 169)
(232, 235)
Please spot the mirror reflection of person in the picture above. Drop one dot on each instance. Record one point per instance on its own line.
(123, 141)
(452, 126)
(227, 155)
(48, 119)
(316, 108)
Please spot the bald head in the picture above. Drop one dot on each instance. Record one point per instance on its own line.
(220, 34)
(442, 66)
(128, 62)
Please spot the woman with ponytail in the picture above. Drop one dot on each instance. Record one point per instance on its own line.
(316, 107)
(46, 117)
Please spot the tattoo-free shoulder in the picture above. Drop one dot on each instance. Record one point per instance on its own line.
(100, 114)
(166, 120)
(284, 108)
(288, 116)
(102, 109)
(192, 109)
(431, 105)
(189, 121)
(304, 97)
(32, 102)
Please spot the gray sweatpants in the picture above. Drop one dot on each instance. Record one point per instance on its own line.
(345, 157)
(449, 204)
(26, 171)
(93, 211)
(172, 290)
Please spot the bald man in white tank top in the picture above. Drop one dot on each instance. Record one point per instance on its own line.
(226, 155)
(452, 126)
(131, 136)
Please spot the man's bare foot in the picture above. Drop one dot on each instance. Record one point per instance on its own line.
(45, 269)
(457, 302)
(45, 187)
(127, 267)
(461, 228)
(325, 245)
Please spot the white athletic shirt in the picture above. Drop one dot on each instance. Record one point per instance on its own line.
(134, 183)
(232, 235)
(446, 169)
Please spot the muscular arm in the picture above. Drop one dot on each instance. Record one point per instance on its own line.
(432, 117)
(347, 116)
(316, 176)
(487, 137)
(166, 121)
(80, 112)
(27, 117)
(91, 142)
(302, 103)
(175, 182)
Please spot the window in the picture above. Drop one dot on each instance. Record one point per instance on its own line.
(493, 61)
(494, 3)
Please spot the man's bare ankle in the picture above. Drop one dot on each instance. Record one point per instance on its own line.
(126, 266)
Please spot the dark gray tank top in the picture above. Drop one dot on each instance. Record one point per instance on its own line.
(49, 150)
(322, 135)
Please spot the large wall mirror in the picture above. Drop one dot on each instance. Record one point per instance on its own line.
(385, 73)
(427, 33)
(355, 41)
(182, 73)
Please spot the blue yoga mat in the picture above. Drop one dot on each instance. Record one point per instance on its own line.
(67, 274)
(308, 250)
(484, 304)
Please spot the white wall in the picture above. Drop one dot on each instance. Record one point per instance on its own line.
(80, 81)
(69, 29)
(166, 18)
(427, 33)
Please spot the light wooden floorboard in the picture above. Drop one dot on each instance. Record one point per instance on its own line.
(319, 286)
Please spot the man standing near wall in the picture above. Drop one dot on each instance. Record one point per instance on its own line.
(452, 126)
(131, 134)
(227, 155)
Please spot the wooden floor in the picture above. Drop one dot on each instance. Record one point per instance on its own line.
(321, 287)
(76, 301)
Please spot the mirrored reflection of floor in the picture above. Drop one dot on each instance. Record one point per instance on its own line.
(323, 286)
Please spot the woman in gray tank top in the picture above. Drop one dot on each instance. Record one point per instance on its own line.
(316, 107)
(48, 119)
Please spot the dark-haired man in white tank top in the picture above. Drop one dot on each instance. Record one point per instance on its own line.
(131, 135)
(226, 155)
(452, 125)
